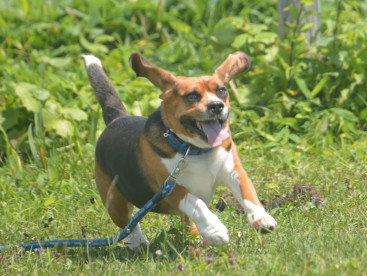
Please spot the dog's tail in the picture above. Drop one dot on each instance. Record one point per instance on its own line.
(106, 94)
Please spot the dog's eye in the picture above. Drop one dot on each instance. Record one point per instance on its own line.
(193, 97)
(222, 92)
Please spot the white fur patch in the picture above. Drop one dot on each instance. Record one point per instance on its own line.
(200, 177)
(196, 141)
(208, 224)
(90, 59)
(136, 238)
(213, 98)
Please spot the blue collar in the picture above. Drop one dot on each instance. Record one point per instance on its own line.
(181, 146)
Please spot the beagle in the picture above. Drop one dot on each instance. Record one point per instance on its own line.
(134, 155)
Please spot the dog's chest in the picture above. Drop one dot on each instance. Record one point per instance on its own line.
(202, 173)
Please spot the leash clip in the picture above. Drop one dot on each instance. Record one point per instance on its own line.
(182, 164)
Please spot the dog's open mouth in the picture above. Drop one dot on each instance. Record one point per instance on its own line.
(211, 131)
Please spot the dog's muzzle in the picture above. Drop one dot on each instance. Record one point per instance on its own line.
(210, 125)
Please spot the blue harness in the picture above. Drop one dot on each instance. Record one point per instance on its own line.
(168, 186)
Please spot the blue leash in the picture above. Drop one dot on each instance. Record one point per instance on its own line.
(163, 192)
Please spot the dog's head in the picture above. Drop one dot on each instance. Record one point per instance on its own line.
(195, 108)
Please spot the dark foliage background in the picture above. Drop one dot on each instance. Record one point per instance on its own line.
(295, 93)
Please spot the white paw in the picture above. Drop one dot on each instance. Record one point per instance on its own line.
(258, 217)
(136, 238)
(212, 230)
(209, 226)
(262, 221)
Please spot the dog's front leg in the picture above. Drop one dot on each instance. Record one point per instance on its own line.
(236, 178)
(209, 226)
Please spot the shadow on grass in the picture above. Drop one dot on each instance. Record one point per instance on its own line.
(166, 246)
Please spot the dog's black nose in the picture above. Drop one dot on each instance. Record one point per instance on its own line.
(216, 107)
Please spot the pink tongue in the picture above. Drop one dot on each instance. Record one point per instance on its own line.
(216, 135)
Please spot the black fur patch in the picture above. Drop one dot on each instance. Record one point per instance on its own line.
(116, 152)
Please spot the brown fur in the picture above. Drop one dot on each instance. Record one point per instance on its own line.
(115, 203)
(247, 188)
(174, 108)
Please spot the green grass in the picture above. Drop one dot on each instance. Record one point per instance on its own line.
(310, 240)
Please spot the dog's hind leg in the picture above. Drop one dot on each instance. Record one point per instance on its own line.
(186, 221)
(118, 207)
(136, 238)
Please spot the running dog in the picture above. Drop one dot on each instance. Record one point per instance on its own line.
(135, 155)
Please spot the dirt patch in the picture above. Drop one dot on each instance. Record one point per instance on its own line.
(301, 193)
(228, 200)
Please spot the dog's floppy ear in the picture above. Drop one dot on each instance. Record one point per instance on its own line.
(156, 75)
(234, 65)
